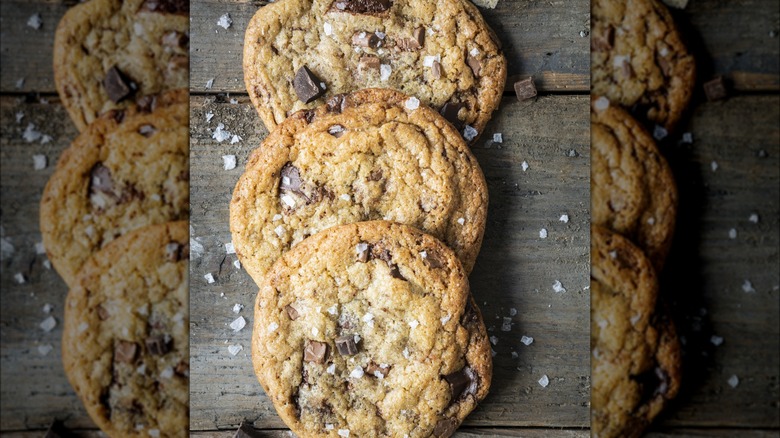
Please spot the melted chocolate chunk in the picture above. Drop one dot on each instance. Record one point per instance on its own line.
(181, 7)
(124, 351)
(292, 312)
(307, 85)
(157, 345)
(117, 85)
(315, 352)
(445, 427)
(291, 181)
(433, 260)
(362, 6)
(346, 345)
(450, 112)
(375, 175)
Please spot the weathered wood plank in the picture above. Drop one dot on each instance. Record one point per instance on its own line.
(462, 433)
(34, 388)
(516, 269)
(707, 269)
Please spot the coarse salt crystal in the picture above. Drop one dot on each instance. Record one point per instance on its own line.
(345, 197)
(229, 161)
(747, 286)
(84, 326)
(733, 381)
(331, 368)
(154, 433)
(357, 372)
(601, 103)
(527, 340)
(279, 231)
(651, 221)
(634, 319)
(209, 116)
(141, 369)
(229, 248)
(209, 278)
(406, 352)
(209, 83)
(716, 340)
(512, 311)
(35, 21)
(43, 350)
(166, 373)
(506, 326)
(288, 200)
(618, 60)
(493, 352)
(524, 166)
(384, 72)
(687, 137)
(461, 221)
(424, 254)
(733, 233)
(237, 264)
(659, 132)
(543, 233)
(544, 381)
(237, 307)
(333, 310)
(31, 134)
(238, 324)
(429, 60)
(564, 218)
(753, 218)
(493, 340)
(445, 319)
(48, 324)
(469, 133)
(412, 103)
(47, 264)
(612, 254)
(39, 162)
(498, 138)
(328, 29)
(276, 217)
(47, 308)
(414, 323)
(315, 331)
(558, 287)
(235, 349)
(714, 165)
(224, 21)
(272, 327)
(235, 139)
(474, 52)
(343, 432)
(368, 317)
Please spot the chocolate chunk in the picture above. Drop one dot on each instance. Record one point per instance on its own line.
(176, 39)
(336, 104)
(432, 259)
(652, 383)
(362, 6)
(450, 112)
(57, 430)
(346, 345)
(147, 130)
(181, 7)
(291, 181)
(182, 369)
(117, 85)
(102, 313)
(470, 315)
(408, 44)
(419, 36)
(436, 70)
(458, 382)
(245, 430)
(395, 272)
(157, 345)
(315, 351)
(363, 252)
(146, 103)
(602, 41)
(100, 180)
(666, 67)
(366, 39)
(715, 89)
(124, 351)
(445, 428)
(307, 85)
(525, 89)
(375, 175)
(117, 114)
(373, 368)
(474, 63)
(292, 312)
(369, 62)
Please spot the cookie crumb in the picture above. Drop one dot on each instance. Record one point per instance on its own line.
(35, 21)
(48, 324)
(524, 166)
(733, 381)
(544, 381)
(527, 340)
(229, 162)
(224, 21)
(235, 349)
(543, 233)
(209, 278)
(747, 286)
(564, 218)
(558, 287)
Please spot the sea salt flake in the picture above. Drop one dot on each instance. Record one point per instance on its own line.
(331, 369)
(564, 218)
(47, 308)
(651, 221)
(469, 133)
(237, 264)
(35, 21)
(19, 278)
(612, 254)
(209, 116)
(141, 369)
(659, 132)
(406, 352)
(527, 340)
(315, 331)
(461, 221)
(288, 200)
(19, 83)
(412, 103)
(220, 134)
(506, 326)
(524, 166)
(45, 349)
(279, 231)
(357, 372)
(498, 138)
(543, 233)
(154, 433)
(276, 217)
(747, 286)
(474, 52)
(384, 72)
(328, 29)
(39, 162)
(544, 381)
(414, 323)
(343, 432)
(238, 324)
(235, 139)
(687, 137)
(47, 264)
(166, 373)
(209, 83)
(733, 381)
(209, 278)
(333, 310)
(48, 324)
(272, 327)
(429, 60)
(512, 311)
(345, 197)
(494, 340)
(733, 233)
(493, 353)
(716, 340)
(31, 134)
(558, 287)
(229, 248)
(445, 319)
(601, 103)
(19, 116)
(634, 319)
(84, 326)
(224, 21)
(714, 165)
(753, 218)
(235, 349)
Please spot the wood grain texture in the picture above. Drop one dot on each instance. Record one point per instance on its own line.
(515, 269)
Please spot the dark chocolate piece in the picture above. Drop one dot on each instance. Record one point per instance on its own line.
(291, 179)
(445, 428)
(315, 351)
(474, 63)
(157, 345)
(102, 313)
(715, 89)
(124, 351)
(362, 6)
(369, 62)
(346, 345)
(525, 89)
(292, 312)
(450, 112)
(436, 70)
(366, 39)
(419, 36)
(307, 85)
(117, 86)
(373, 368)
(432, 259)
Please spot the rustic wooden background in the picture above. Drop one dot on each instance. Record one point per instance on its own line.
(542, 38)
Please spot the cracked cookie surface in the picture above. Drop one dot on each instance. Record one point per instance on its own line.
(129, 169)
(442, 52)
(363, 156)
(639, 60)
(369, 328)
(125, 340)
(635, 362)
(112, 54)
(632, 187)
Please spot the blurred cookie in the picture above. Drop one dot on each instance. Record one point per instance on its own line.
(638, 60)
(368, 329)
(125, 344)
(370, 155)
(632, 187)
(129, 169)
(299, 53)
(635, 364)
(113, 54)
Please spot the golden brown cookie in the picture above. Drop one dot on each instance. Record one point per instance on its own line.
(368, 329)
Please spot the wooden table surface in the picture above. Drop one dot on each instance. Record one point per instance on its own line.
(515, 269)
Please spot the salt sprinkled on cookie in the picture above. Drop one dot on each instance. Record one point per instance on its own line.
(272, 327)
(412, 103)
(209, 116)
(237, 264)
(601, 104)
(384, 72)
(328, 29)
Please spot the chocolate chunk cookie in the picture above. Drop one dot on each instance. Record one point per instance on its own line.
(639, 61)
(370, 155)
(632, 187)
(129, 169)
(125, 344)
(369, 329)
(635, 368)
(113, 54)
(299, 53)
